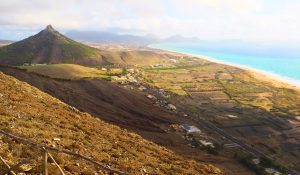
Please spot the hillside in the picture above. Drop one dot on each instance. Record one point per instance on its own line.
(25, 111)
(48, 46)
(127, 109)
(66, 71)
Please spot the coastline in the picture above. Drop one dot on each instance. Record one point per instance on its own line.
(275, 79)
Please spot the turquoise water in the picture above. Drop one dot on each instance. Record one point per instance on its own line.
(288, 67)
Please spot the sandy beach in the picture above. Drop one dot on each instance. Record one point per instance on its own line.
(274, 79)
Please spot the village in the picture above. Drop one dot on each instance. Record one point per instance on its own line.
(195, 137)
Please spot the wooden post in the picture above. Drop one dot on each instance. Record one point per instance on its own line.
(45, 159)
(15, 166)
(60, 169)
(6, 164)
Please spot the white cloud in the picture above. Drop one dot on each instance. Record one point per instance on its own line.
(258, 20)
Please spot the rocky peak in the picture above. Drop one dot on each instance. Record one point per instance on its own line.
(49, 28)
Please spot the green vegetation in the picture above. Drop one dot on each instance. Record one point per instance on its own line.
(247, 160)
(48, 46)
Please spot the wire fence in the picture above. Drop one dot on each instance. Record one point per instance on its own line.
(45, 151)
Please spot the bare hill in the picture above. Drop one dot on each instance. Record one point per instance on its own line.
(25, 111)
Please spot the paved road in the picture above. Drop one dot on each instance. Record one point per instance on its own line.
(234, 140)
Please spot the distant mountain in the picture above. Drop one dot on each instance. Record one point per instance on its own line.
(5, 42)
(180, 39)
(107, 37)
(49, 46)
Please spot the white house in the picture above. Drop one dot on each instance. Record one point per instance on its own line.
(190, 128)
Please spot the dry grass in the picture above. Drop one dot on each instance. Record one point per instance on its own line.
(30, 113)
(65, 71)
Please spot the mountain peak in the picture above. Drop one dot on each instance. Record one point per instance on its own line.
(49, 31)
(49, 28)
(48, 47)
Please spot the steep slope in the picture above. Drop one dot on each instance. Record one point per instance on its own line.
(49, 46)
(25, 111)
(127, 109)
(101, 98)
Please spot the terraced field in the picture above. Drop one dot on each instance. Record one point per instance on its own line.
(256, 110)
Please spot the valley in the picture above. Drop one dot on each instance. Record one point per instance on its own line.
(237, 120)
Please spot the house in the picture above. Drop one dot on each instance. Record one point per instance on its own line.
(256, 161)
(161, 91)
(173, 60)
(131, 79)
(172, 107)
(272, 171)
(130, 70)
(116, 78)
(142, 88)
(190, 128)
(206, 143)
(151, 97)
(232, 116)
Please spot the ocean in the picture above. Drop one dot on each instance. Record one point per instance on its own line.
(287, 68)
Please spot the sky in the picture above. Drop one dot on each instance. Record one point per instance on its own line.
(248, 20)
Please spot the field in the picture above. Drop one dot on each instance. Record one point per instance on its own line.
(66, 71)
(261, 112)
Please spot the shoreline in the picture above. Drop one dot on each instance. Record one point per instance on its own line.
(267, 76)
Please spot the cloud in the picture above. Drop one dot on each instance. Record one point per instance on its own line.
(258, 20)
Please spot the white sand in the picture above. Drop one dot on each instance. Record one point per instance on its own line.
(275, 79)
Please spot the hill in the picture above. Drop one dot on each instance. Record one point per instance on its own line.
(127, 109)
(48, 47)
(51, 47)
(27, 112)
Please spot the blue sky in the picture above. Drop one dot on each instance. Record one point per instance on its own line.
(267, 21)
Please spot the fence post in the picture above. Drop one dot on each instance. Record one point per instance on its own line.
(60, 169)
(6, 164)
(45, 159)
